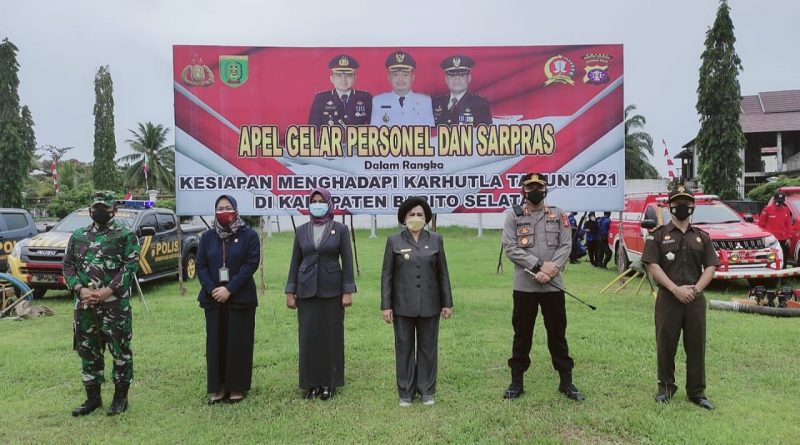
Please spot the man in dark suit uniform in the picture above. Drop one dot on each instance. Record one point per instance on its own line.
(460, 106)
(342, 105)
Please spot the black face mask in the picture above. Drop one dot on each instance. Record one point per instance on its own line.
(102, 216)
(536, 196)
(779, 202)
(682, 211)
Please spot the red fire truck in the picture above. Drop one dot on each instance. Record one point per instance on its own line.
(745, 250)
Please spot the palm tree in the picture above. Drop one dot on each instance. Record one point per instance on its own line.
(148, 143)
(638, 144)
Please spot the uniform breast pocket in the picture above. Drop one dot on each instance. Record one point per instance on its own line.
(552, 231)
(524, 237)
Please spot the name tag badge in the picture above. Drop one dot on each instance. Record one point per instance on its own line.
(224, 275)
(405, 250)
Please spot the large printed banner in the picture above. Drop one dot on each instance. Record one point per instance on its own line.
(458, 125)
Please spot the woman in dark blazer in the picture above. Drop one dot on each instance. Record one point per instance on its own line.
(415, 291)
(227, 258)
(319, 286)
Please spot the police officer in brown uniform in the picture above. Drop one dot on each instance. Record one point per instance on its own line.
(538, 239)
(681, 258)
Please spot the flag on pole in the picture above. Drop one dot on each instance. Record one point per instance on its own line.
(670, 165)
(128, 196)
(54, 173)
(146, 169)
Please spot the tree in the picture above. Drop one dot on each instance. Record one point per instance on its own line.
(17, 139)
(104, 173)
(765, 191)
(638, 144)
(720, 139)
(148, 143)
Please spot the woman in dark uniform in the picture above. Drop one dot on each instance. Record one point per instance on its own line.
(320, 286)
(415, 291)
(227, 258)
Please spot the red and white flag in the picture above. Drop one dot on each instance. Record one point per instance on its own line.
(145, 169)
(54, 173)
(670, 165)
(128, 196)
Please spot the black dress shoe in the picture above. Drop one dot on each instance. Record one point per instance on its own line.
(702, 402)
(513, 392)
(312, 393)
(236, 400)
(571, 392)
(327, 393)
(663, 397)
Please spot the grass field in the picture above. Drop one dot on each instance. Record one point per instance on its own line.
(753, 365)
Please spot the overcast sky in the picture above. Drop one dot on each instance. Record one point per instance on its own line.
(63, 43)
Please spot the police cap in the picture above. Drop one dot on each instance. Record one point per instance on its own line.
(534, 179)
(457, 64)
(343, 64)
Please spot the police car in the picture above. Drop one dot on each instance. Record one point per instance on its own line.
(15, 224)
(39, 260)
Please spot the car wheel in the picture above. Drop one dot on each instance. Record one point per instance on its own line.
(623, 263)
(190, 267)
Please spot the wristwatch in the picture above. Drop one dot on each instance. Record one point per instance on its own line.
(538, 266)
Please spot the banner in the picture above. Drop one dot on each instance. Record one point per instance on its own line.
(457, 125)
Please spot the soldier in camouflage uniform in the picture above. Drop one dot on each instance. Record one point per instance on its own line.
(100, 262)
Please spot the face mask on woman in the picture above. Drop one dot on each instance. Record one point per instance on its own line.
(415, 223)
(318, 209)
(227, 217)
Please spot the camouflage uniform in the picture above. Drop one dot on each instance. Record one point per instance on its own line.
(97, 257)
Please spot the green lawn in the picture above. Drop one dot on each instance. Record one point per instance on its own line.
(752, 369)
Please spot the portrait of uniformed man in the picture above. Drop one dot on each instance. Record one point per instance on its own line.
(401, 106)
(460, 106)
(537, 238)
(681, 258)
(342, 105)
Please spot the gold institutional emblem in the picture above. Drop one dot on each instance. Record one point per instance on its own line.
(343, 62)
(559, 69)
(386, 117)
(399, 57)
(524, 230)
(699, 240)
(196, 74)
(456, 62)
(681, 189)
(524, 241)
(596, 68)
(667, 237)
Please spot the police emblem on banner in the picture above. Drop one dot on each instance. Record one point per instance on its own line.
(596, 68)
(559, 69)
(196, 74)
(233, 70)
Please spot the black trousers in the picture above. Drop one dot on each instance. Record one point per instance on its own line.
(526, 308)
(591, 247)
(229, 347)
(321, 335)
(416, 348)
(604, 251)
(672, 317)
